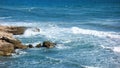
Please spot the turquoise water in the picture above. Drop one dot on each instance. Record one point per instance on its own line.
(87, 33)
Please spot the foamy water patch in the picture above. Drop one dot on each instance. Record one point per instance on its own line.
(62, 46)
(90, 67)
(77, 30)
(31, 32)
(114, 49)
(18, 53)
(54, 32)
(67, 41)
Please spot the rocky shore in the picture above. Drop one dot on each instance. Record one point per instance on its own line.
(8, 43)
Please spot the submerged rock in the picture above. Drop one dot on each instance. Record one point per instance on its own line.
(48, 44)
(38, 45)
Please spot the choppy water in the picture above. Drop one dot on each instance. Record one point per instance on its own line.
(87, 33)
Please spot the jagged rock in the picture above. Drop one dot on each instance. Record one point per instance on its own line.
(48, 44)
(30, 46)
(12, 29)
(17, 44)
(6, 49)
(8, 43)
(38, 45)
(16, 30)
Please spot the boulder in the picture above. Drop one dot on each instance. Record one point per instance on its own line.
(38, 45)
(6, 49)
(8, 43)
(17, 44)
(30, 46)
(48, 44)
(15, 30)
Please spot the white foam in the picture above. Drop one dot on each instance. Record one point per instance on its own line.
(90, 67)
(35, 43)
(17, 53)
(31, 32)
(77, 30)
(115, 49)
(60, 33)
(51, 30)
(61, 46)
(54, 31)
(67, 41)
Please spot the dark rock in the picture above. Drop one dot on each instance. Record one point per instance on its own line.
(48, 44)
(30, 46)
(38, 45)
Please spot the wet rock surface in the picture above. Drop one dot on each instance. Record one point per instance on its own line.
(48, 44)
(13, 29)
(8, 43)
(30, 46)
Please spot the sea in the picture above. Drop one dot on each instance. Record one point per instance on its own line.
(87, 33)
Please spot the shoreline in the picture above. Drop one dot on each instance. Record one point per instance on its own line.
(8, 43)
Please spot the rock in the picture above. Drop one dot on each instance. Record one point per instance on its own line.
(8, 43)
(17, 44)
(15, 30)
(6, 49)
(30, 46)
(38, 45)
(48, 44)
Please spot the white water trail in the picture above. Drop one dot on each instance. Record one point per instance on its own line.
(62, 46)
(77, 30)
(90, 67)
(114, 49)
(18, 53)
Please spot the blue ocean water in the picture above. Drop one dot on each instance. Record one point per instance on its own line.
(87, 33)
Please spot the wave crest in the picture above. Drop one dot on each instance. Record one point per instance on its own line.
(77, 30)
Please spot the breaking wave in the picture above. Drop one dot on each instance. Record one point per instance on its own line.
(114, 49)
(58, 32)
(77, 30)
